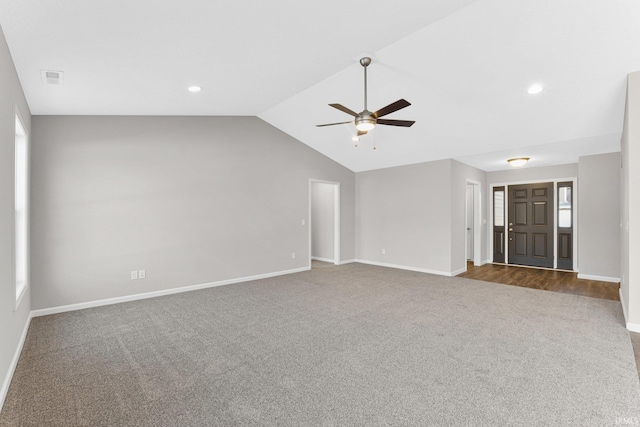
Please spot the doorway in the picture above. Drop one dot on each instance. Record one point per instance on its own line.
(469, 222)
(324, 221)
(533, 224)
(473, 229)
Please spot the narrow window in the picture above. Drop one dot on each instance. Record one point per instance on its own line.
(564, 206)
(21, 213)
(498, 208)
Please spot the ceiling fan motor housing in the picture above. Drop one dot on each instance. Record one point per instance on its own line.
(365, 121)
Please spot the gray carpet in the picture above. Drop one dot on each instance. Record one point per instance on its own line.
(349, 345)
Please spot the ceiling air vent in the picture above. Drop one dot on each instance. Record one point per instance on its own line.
(52, 77)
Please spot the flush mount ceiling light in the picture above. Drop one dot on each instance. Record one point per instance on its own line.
(535, 89)
(518, 161)
(194, 89)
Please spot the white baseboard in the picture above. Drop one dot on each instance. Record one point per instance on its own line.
(404, 267)
(486, 261)
(459, 271)
(317, 258)
(347, 261)
(599, 278)
(14, 362)
(633, 327)
(624, 305)
(127, 298)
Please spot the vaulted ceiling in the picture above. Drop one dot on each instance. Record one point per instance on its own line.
(464, 65)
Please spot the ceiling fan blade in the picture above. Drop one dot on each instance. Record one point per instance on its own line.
(344, 109)
(362, 132)
(403, 123)
(332, 124)
(398, 105)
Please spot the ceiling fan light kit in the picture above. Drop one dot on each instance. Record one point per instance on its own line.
(366, 120)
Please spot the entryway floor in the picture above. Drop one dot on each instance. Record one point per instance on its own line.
(550, 280)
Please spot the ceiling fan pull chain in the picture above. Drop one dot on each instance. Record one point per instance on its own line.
(374, 139)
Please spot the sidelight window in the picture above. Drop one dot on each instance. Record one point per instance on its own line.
(498, 208)
(564, 207)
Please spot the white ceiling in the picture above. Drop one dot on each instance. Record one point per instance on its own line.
(464, 65)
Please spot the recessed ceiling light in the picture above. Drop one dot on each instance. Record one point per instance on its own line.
(535, 89)
(194, 89)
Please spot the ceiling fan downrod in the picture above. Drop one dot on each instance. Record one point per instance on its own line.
(365, 63)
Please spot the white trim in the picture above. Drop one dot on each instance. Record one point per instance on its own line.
(459, 271)
(633, 327)
(624, 306)
(14, 362)
(574, 219)
(574, 209)
(127, 298)
(317, 258)
(599, 278)
(347, 261)
(486, 261)
(404, 267)
(336, 223)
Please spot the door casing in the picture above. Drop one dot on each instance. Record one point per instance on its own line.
(576, 227)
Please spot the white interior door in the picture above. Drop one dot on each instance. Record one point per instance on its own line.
(469, 223)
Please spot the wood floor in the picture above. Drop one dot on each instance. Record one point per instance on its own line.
(550, 280)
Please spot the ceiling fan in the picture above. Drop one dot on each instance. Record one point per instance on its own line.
(366, 120)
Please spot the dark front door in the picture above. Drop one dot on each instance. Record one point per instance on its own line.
(531, 224)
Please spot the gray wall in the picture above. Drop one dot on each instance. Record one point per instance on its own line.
(417, 214)
(599, 215)
(598, 225)
(630, 203)
(12, 322)
(533, 174)
(191, 200)
(322, 220)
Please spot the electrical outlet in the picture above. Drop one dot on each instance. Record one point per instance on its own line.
(142, 274)
(384, 251)
(293, 255)
(134, 275)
